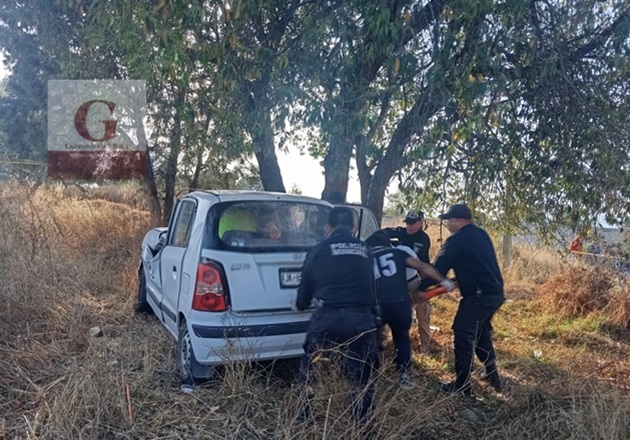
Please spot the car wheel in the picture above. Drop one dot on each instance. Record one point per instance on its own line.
(142, 306)
(191, 371)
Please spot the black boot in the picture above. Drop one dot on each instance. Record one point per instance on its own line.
(492, 378)
(456, 388)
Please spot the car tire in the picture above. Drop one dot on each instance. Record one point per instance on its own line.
(191, 371)
(142, 305)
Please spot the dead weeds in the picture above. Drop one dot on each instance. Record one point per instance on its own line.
(580, 291)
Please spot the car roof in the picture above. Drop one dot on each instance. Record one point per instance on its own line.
(225, 195)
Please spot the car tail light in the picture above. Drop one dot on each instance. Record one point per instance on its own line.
(209, 289)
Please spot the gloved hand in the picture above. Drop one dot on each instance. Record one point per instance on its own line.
(294, 306)
(448, 285)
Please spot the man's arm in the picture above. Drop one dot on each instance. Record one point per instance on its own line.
(392, 232)
(425, 269)
(306, 287)
(424, 251)
(447, 256)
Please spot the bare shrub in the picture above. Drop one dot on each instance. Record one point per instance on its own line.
(617, 310)
(532, 266)
(65, 261)
(132, 194)
(580, 291)
(585, 412)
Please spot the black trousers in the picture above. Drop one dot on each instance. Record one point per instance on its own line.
(398, 317)
(472, 329)
(353, 332)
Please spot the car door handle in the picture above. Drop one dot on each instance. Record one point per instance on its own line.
(174, 268)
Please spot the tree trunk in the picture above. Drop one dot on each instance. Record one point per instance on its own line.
(336, 166)
(194, 183)
(263, 138)
(394, 159)
(170, 172)
(365, 176)
(337, 160)
(352, 99)
(155, 209)
(376, 198)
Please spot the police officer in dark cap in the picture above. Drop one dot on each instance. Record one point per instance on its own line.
(413, 235)
(470, 253)
(338, 276)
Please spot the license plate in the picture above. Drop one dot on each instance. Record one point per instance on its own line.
(290, 278)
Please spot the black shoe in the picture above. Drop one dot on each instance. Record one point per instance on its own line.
(455, 388)
(494, 380)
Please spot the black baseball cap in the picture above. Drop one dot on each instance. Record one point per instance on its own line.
(379, 238)
(413, 216)
(458, 210)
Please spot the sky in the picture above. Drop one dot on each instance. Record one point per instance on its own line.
(308, 175)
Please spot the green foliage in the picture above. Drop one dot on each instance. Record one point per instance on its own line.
(295, 189)
(518, 108)
(536, 129)
(43, 40)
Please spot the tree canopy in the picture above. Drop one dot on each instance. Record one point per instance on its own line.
(517, 107)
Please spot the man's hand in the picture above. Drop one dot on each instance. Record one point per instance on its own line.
(448, 285)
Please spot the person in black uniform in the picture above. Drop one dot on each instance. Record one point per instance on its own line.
(414, 237)
(470, 253)
(338, 276)
(390, 266)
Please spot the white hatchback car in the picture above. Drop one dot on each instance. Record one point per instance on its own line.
(221, 277)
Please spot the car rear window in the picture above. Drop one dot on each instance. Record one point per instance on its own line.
(269, 226)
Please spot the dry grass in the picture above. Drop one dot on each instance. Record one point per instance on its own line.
(581, 290)
(69, 263)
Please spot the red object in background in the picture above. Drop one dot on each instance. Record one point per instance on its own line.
(576, 244)
(97, 165)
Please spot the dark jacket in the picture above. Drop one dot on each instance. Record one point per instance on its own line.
(419, 242)
(470, 253)
(338, 272)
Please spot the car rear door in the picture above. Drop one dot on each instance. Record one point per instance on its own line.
(171, 261)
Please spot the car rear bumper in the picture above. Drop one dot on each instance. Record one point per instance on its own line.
(239, 337)
(249, 331)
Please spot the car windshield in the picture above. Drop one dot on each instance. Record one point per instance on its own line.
(270, 226)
